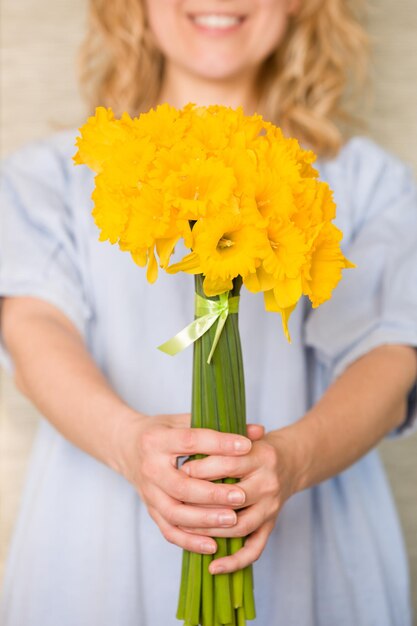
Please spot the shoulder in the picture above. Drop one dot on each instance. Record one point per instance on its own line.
(361, 148)
(365, 159)
(362, 161)
(47, 161)
(367, 180)
(42, 187)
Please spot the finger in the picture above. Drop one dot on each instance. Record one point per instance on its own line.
(251, 551)
(190, 516)
(216, 467)
(178, 420)
(194, 543)
(248, 521)
(187, 441)
(255, 431)
(183, 420)
(193, 491)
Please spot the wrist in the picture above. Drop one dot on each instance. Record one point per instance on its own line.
(295, 449)
(123, 450)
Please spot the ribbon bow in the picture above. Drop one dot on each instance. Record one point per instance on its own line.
(207, 312)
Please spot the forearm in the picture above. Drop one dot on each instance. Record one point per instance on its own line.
(357, 411)
(54, 370)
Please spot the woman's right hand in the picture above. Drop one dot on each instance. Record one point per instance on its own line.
(150, 453)
(54, 369)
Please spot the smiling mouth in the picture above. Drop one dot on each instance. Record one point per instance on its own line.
(216, 21)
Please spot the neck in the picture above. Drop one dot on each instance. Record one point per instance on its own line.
(179, 88)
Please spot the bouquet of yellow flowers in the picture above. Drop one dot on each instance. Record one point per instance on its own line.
(248, 205)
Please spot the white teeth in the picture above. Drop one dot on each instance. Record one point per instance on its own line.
(216, 21)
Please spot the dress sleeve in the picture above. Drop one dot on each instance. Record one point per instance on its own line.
(376, 303)
(39, 253)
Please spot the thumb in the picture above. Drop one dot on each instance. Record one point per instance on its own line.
(180, 420)
(255, 431)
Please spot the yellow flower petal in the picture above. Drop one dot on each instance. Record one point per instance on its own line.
(149, 219)
(152, 271)
(164, 248)
(189, 264)
(287, 250)
(272, 305)
(164, 126)
(259, 280)
(99, 137)
(201, 187)
(252, 283)
(288, 291)
(324, 269)
(216, 286)
(140, 257)
(110, 212)
(315, 205)
(227, 247)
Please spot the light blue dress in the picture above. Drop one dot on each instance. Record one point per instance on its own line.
(85, 551)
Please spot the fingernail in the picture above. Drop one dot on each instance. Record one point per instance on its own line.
(217, 569)
(236, 497)
(227, 519)
(241, 445)
(208, 547)
(186, 469)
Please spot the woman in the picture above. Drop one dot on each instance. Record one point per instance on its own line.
(104, 497)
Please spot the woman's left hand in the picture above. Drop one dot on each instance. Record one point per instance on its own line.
(268, 476)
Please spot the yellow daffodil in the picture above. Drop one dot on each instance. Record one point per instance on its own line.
(111, 209)
(326, 264)
(274, 197)
(201, 187)
(315, 205)
(149, 219)
(163, 126)
(245, 200)
(100, 135)
(227, 248)
(286, 251)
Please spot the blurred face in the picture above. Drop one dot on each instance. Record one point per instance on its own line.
(218, 39)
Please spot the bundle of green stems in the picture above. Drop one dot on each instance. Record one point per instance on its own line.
(218, 402)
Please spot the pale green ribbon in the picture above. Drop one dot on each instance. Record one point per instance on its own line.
(207, 312)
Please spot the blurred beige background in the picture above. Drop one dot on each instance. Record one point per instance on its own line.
(39, 95)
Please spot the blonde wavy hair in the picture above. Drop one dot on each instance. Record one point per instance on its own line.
(307, 85)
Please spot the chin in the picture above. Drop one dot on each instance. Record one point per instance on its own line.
(218, 70)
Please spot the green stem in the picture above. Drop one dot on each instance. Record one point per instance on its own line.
(183, 588)
(192, 606)
(222, 590)
(248, 600)
(207, 601)
(236, 544)
(241, 618)
(218, 402)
